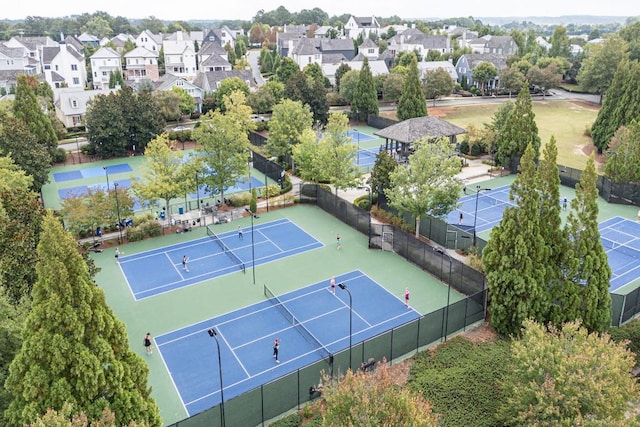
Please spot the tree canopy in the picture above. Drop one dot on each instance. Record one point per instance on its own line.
(412, 102)
(428, 185)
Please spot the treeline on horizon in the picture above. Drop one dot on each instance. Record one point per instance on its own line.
(105, 25)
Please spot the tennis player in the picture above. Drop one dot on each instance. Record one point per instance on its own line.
(276, 349)
(184, 263)
(332, 287)
(406, 297)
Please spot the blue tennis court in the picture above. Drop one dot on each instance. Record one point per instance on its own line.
(358, 136)
(491, 205)
(246, 337)
(82, 190)
(160, 270)
(621, 240)
(91, 172)
(366, 157)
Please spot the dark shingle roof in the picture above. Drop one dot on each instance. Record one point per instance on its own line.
(411, 130)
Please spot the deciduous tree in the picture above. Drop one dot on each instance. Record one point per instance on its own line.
(438, 83)
(428, 185)
(623, 155)
(483, 73)
(600, 64)
(567, 376)
(339, 153)
(288, 121)
(374, 400)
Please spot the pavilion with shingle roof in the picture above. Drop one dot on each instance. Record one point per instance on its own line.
(401, 136)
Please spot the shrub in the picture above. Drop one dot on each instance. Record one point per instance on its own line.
(631, 333)
(293, 420)
(587, 130)
(145, 226)
(59, 156)
(334, 99)
(464, 147)
(271, 190)
(476, 149)
(262, 126)
(240, 199)
(472, 372)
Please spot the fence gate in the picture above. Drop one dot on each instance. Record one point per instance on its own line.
(451, 240)
(387, 241)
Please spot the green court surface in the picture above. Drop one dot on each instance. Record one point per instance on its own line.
(195, 303)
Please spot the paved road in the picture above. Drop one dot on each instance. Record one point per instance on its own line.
(252, 57)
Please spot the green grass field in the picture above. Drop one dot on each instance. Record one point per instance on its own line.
(566, 120)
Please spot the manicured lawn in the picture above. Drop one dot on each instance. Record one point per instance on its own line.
(566, 120)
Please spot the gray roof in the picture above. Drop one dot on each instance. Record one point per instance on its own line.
(367, 43)
(141, 52)
(332, 58)
(211, 48)
(73, 41)
(411, 130)
(214, 60)
(306, 47)
(12, 52)
(48, 53)
(473, 59)
(327, 45)
(213, 77)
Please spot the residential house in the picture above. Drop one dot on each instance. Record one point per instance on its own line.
(14, 58)
(307, 51)
(64, 66)
(118, 42)
(397, 29)
(368, 49)
(285, 43)
(422, 44)
(576, 49)
(149, 41)
(89, 40)
(104, 62)
(502, 45)
(32, 47)
(324, 31)
(71, 104)
(542, 42)
(141, 63)
(447, 66)
(465, 38)
(356, 26)
(210, 81)
(180, 55)
(466, 64)
(212, 57)
(9, 80)
(223, 35)
(168, 81)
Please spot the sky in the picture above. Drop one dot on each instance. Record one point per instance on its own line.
(247, 9)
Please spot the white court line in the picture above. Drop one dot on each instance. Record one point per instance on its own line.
(233, 352)
(164, 362)
(174, 266)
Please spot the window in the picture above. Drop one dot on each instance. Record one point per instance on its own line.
(74, 103)
(56, 68)
(47, 67)
(76, 81)
(104, 74)
(371, 51)
(95, 74)
(74, 67)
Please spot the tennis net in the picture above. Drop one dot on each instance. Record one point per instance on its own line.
(226, 249)
(629, 251)
(295, 322)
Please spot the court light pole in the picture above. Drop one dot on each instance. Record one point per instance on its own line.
(253, 248)
(344, 288)
(358, 137)
(475, 214)
(213, 334)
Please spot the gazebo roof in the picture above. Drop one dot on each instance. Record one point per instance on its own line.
(411, 130)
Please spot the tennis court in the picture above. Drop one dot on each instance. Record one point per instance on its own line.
(311, 323)
(491, 205)
(359, 136)
(621, 240)
(157, 271)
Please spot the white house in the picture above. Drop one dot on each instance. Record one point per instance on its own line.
(169, 80)
(361, 25)
(149, 41)
(32, 47)
(14, 58)
(180, 56)
(71, 104)
(447, 66)
(104, 62)
(64, 66)
(141, 63)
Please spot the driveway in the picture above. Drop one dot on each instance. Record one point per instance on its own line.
(253, 56)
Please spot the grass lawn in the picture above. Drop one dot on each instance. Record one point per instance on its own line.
(566, 120)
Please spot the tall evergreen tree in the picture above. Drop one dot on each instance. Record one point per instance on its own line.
(412, 102)
(27, 109)
(621, 104)
(556, 246)
(366, 99)
(514, 254)
(590, 268)
(74, 350)
(518, 131)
